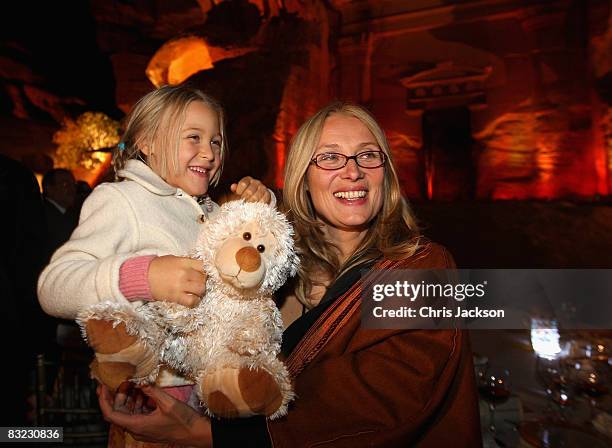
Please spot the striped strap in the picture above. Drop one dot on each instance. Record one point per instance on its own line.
(332, 320)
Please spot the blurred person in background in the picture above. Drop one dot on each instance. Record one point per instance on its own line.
(61, 210)
(60, 194)
(22, 236)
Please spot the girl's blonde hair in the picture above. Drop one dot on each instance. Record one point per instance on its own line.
(393, 233)
(155, 122)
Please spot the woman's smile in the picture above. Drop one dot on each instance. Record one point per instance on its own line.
(352, 196)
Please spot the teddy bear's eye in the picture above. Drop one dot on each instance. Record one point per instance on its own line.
(246, 236)
(261, 248)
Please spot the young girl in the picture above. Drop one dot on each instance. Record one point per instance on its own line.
(133, 234)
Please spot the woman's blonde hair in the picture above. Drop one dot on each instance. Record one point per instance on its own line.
(393, 233)
(155, 122)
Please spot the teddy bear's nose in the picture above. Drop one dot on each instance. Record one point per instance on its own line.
(248, 259)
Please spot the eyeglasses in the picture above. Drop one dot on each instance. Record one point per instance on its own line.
(335, 161)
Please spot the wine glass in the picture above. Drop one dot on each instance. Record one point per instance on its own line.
(494, 387)
(590, 372)
(553, 375)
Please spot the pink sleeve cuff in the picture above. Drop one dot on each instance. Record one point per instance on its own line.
(134, 278)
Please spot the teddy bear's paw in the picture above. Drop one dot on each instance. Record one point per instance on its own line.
(221, 406)
(105, 338)
(260, 391)
(240, 392)
(112, 374)
(219, 392)
(119, 356)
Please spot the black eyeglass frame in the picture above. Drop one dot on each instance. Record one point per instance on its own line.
(347, 158)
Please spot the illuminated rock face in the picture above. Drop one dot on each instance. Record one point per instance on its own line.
(270, 74)
(531, 87)
(489, 101)
(606, 130)
(177, 60)
(537, 154)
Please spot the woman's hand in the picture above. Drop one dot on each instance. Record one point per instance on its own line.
(172, 421)
(252, 190)
(177, 279)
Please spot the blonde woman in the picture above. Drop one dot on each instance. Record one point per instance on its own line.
(355, 387)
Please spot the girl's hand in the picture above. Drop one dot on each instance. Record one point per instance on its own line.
(177, 279)
(251, 190)
(172, 421)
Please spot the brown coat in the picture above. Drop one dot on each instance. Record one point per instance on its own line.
(380, 388)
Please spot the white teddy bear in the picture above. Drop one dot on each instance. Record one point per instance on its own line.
(228, 344)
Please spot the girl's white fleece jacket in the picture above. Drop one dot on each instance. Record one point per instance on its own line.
(141, 215)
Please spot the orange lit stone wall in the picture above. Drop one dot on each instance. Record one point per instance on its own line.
(488, 100)
(504, 99)
(524, 74)
(269, 66)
